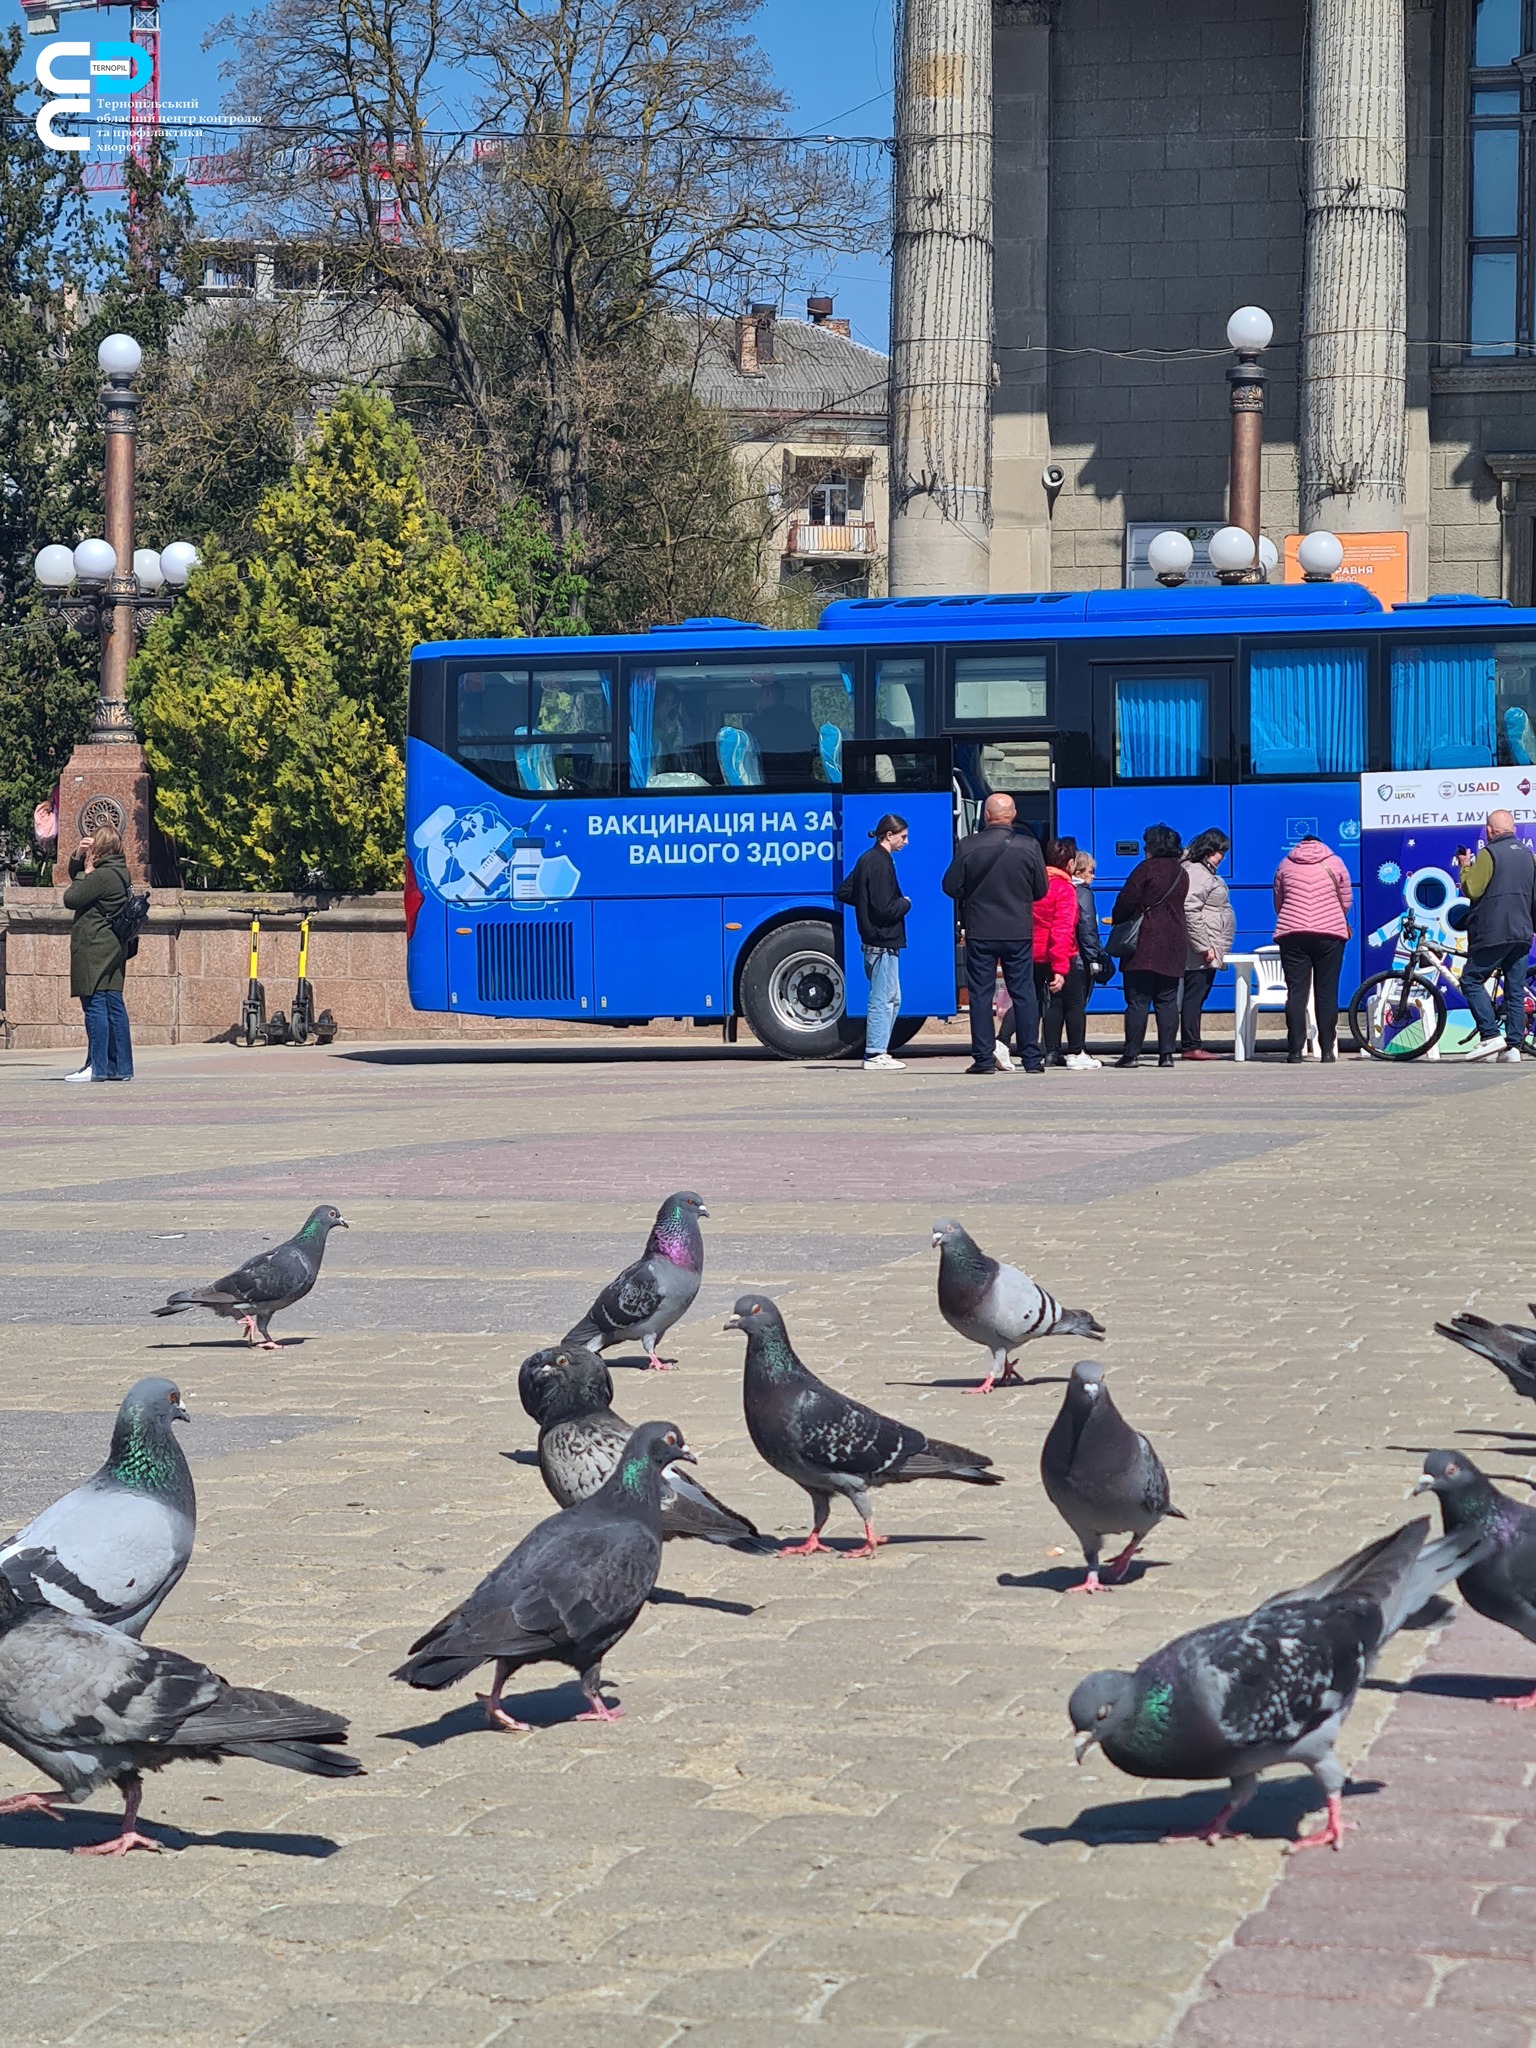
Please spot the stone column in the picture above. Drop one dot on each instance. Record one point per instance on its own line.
(1021, 428)
(1354, 426)
(941, 299)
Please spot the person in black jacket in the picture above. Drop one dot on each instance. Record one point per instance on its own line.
(997, 877)
(881, 912)
(1501, 883)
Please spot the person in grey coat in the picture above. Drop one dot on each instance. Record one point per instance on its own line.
(1212, 922)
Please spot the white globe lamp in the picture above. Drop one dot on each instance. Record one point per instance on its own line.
(146, 566)
(178, 561)
(55, 568)
(95, 561)
(119, 356)
(1169, 556)
(1250, 329)
(1320, 555)
(1269, 556)
(1231, 551)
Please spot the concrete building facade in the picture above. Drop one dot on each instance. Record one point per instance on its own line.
(1363, 169)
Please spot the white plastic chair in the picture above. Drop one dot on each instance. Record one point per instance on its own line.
(1266, 991)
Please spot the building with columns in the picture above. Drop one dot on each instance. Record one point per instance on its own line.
(1363, 169)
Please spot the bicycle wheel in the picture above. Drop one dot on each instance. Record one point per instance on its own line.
(1389, 1028)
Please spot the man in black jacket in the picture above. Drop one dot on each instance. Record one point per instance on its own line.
(881, 912)
(1501, 881)
(997, 877)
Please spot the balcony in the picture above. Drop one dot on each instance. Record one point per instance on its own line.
(851, 537)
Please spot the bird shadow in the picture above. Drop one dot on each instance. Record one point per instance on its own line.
(1042, 1379)
(36, 1831)
(223, 1344)
(1456, 1685)
(668, 1596)
(1271, 1816)
(540, 1710)
(637, 1362)
(1061, 1578)
(1514, 1436)
(522, 1458)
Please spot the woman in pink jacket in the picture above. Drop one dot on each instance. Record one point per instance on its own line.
(1312, 901)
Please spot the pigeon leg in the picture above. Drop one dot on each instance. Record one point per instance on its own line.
(1523, 1705)
(598, 1707)
(248, 1324)
(129, 1838)
(34, 1802)
(1216, 1828)
(1119, 1566)
(871, 1541)
(1002, 1369)
(822, 1503)
(654, 1360)
(1331, 1836)
(268, 1341)
(1092, 1583)
(496, 1715)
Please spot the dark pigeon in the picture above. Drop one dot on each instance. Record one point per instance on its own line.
(88, 1706)
(827, 1443)
(997, 1306)
(1503, 1584)
(1506, 1345)
(113, 1549)
(656, 1291)
(1103, 1477)
(1271, 1687)
(267, 1284)
(569, 1394)
(568, 1593)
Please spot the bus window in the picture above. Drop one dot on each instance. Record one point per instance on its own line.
(1163, 728)
(540, 731)
(768, 725)
(1463, 704)
(1306, 711)
(900, 700)
(990, 688)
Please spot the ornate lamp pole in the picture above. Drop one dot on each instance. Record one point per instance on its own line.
(109, 588)
(1249, 332)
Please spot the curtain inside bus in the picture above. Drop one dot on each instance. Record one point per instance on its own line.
(1306, 710)
(1443, 701)
(1162, 728)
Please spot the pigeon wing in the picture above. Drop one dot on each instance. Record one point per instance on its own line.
(274, 1278)
(577, 1456)
(1285, 1670)
(1513, 1351)
(103, 1551)
(832, 1433)
(71, 1684)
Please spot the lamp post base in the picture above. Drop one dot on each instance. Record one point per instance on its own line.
(106, 782)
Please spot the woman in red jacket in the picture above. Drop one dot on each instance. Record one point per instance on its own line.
(1055, 928)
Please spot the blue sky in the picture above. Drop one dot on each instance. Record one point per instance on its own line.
(833, 57)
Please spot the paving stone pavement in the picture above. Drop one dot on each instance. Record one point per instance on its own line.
(842, 1797)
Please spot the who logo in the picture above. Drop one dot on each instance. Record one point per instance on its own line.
(112, 70)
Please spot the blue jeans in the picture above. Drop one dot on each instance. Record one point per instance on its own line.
(884, 970)
(109, 1049)
(1484, 962)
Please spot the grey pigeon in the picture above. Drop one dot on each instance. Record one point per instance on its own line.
(1502, 1585)
(1506, 1345)
(656, 1291)
(1272, 1687)
(569, 1394)
(827, 1443)
(88, 1706)
(1103, 1477)
(997, 1306)
(568, 1593)
(267, 1284)
(115, 1547)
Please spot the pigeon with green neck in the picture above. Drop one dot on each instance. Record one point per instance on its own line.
(265, 1285)
(1502, 1585)
(113, 1549)
(655, 1292)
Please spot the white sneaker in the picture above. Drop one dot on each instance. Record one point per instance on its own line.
(84, 1074)
(1511, 1058)
(884, 1064)
(1487, 1049)
(1082, 1061)
(1002, 1059)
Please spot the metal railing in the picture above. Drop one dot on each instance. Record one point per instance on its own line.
(851, 537)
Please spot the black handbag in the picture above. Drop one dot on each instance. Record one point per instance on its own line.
(1125, 936)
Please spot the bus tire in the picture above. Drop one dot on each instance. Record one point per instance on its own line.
(904, 1030)
(793, 994)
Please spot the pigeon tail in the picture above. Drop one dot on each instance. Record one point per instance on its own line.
(315, 1759)
(434, 1670)
(1077, 1322)
(947, 1461)
(587, 1335)
(1512, 1353)
(195, 1297)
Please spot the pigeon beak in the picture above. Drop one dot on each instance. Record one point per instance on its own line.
(703, 1211)
(341, 1223)
(1084, 1743)
(936, 1240)
(732, 1323)
(1424, 1485)
(179, 1414)
(682, 1457)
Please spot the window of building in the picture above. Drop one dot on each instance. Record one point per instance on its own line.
(999, 687)
(532, 731)
(1306, 711)
(760, 725)
(1501, 158)
(1464, 705)
(828, 502)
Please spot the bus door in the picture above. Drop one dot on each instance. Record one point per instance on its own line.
(994, 765)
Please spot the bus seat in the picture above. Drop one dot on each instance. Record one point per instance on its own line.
(1459, 757)
(536, 768)
(741, 763)
(677, 778)
(1283, 761)
(1519, 736)
(830, 739)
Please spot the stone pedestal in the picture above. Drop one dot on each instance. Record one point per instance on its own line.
(106, 783)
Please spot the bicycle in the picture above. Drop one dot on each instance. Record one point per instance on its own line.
(1401, 1013)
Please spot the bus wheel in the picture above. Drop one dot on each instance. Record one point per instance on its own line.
(793, 995)
(904, 1030)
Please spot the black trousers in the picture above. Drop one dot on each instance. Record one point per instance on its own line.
(1311, 961)
(1067, 1010)
(983, 957)
(1198, 982)
(1143, 992)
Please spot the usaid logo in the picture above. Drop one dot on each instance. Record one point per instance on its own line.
(115, 70)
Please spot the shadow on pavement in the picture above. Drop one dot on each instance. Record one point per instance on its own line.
(35, 1831)
(561, 1703)
(668, 1596)
(553, 1055)
(1062, 1577)
(1461, 1685)
(1270, 1816)
(1044, 1379)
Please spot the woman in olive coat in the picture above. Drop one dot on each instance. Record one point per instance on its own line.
(99, 888)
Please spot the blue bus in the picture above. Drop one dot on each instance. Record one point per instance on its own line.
(618, 828)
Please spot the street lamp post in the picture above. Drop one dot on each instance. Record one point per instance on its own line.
(1249, 331)
(110, 588)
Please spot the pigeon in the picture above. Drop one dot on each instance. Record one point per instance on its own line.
(569, 1394)
(656, 1291)
(1502, 1585)
(270, 1282)
(113, 1549)
(997, 1306)
(89, 1706)
(568, 1593)
(1506, 1345)
(1272, 1687)
(827, 1443)
(1102, 1475)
